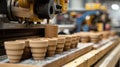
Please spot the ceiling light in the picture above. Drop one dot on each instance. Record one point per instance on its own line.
(115, 6)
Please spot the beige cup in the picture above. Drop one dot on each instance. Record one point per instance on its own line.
(112, 33)
(38, 49)
(95, 37)
(14, 51)
(105, 35)
(51, 47)
(84, 38)
(77, 40)
(68, 41)
(60, 45)
(100, 36)
(74, 41)
(78, 36)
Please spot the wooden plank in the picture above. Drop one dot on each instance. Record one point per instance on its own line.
(110, 59)
(82, 62)
(92, 56)
(16, 65)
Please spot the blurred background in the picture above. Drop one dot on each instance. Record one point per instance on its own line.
(106, 16)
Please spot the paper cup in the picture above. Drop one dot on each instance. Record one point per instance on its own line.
(94, 38)
(38, 49)
(51, 47)
(14, 51)
(60, 45)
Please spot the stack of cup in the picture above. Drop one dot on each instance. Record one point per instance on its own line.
(68, 41)
(84, 38)
(14, 50)
(74, 41)
(78, 37)
(100, 36)
(60, 45)
(77, 40)
(94, 37)
(38, 49)
(105, 34)
(51, 47)
(112, 33)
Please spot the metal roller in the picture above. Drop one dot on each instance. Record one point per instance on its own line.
(44, 11)
(10, 4)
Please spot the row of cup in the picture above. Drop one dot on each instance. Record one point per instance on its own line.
(39, 47)
(47, 47)
(95, 37)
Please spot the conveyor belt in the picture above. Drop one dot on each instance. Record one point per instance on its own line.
(81, 56)
(59, 59)
(3, 57)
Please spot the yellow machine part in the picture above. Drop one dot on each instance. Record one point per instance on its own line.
(64, 4)
(73, 14)
(88, 22)
(24, 3)
(92, 6)
(104, 8)
(34, 18)
(100, 27)
(55, 1)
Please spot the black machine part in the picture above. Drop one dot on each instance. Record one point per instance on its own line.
(3, 7)
(44, 10)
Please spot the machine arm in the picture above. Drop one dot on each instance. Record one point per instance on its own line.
(35, 10)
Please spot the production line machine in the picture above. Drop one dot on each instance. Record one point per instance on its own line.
(17, 18)
(20, 20)
(32, 10)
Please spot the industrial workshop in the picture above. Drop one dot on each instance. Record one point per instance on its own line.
(59, 33)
